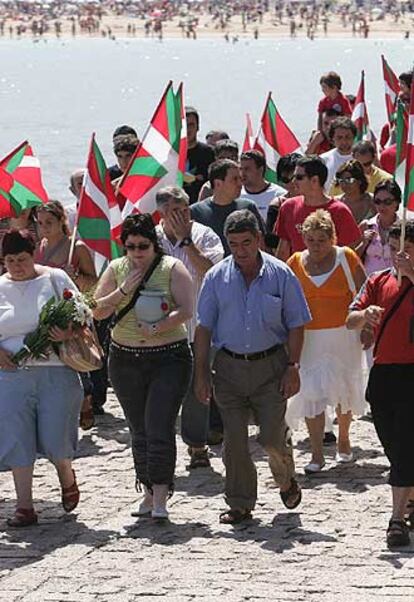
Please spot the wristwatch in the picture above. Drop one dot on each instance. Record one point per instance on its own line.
(186, 242)
(294, 364)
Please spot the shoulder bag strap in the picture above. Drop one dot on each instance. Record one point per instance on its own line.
(389, 315)
(347, 270)
(121, 314)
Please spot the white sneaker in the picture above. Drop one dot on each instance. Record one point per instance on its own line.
(313, 467)
(159, 513)
(344, 458)
(144, 509)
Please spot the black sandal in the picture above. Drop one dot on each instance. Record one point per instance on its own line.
(293, 496)
(234, 517)
(410, 514)
(397, 533)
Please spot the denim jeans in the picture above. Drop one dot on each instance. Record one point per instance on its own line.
(150, 387)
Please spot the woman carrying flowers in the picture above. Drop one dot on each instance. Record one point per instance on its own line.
(39, 400)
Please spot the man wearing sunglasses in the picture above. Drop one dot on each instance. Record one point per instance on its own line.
(365, 153)
(310, 176)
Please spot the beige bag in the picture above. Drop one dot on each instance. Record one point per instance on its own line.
(83, 352)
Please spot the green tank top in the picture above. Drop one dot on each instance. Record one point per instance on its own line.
(155, 303)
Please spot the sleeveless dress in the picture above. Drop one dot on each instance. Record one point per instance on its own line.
(332, 365)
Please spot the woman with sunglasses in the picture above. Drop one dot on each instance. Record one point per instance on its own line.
(150, 362)
(375, 250)
(353, 182)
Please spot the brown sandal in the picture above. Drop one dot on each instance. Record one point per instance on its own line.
(87, 419)
(23, 517)
(70, 495)
(293, 496)
(234, 517)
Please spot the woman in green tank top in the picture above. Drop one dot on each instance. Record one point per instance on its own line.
(150, 360)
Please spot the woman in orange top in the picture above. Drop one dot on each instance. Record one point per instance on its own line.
(331, 362)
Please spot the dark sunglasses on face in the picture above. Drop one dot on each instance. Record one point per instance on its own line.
(345, 180)
(299, 176)
(141, 246)
(287, 179)
(387, 202)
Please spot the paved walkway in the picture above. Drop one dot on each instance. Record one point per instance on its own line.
(331, 550)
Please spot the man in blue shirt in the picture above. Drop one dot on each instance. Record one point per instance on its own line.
(252, 309)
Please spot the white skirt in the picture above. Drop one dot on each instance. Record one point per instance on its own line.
(332, 372)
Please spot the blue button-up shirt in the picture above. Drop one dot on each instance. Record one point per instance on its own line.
(251, 319)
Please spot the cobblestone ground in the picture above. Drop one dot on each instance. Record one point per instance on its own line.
(331, 549)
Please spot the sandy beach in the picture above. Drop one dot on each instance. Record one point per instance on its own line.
(127, 26)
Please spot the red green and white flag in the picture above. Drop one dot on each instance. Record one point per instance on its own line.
(157, 162)
(392, 89)
(21, 185)
(401, 131)
(409, 168)
(182, 153)
(99, 217)
(274, 139)
(360, 113)
(248, 143)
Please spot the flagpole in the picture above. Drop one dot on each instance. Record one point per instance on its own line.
(402, 240)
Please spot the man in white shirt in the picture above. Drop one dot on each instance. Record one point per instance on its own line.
(255, 188)
(342, 134)
(199, 248)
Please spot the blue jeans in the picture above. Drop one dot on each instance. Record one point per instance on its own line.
(150, 386)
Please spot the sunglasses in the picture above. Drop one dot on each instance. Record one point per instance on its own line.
(387, 202)
(345, 180)
(287, 179)
(300, 176)
(141, 246)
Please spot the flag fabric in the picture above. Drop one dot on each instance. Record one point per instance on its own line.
(360, 113)
(409, 168)
(21, 185)
(248, 143)
(182, 153)
(392, 89)
(274, 139)
(158, 160)
(401, 130)
(99, 217)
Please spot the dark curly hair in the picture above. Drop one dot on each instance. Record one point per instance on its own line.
(141, 224)
(357, 171)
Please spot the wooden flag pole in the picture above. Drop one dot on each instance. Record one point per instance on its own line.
(402, 240)
(72, 243)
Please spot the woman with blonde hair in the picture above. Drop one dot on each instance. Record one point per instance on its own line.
(331, 361)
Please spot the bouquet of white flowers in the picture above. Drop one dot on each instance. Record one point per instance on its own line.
(74, 309)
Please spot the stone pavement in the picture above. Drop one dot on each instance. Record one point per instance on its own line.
(331, 549)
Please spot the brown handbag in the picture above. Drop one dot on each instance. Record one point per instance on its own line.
(82, 352)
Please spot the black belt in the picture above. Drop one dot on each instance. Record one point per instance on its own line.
(251, 357)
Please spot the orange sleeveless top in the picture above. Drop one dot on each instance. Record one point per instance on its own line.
(328, 302)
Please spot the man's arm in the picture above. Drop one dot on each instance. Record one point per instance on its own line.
(283, 250)
(202, 374)
(290, 383)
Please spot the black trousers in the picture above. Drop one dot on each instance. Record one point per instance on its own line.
(150, 388)
(390, 393)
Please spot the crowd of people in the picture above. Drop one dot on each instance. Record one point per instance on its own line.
(236, 17)
(248, 302)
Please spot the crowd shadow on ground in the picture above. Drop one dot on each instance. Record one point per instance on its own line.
(283, 533)
(55, 531)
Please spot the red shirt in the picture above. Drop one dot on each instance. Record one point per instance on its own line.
(340, 103)
(388, 158)
(381, 289)
(293, 213)
(324, 147)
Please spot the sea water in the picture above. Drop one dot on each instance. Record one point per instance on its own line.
(57, 92)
